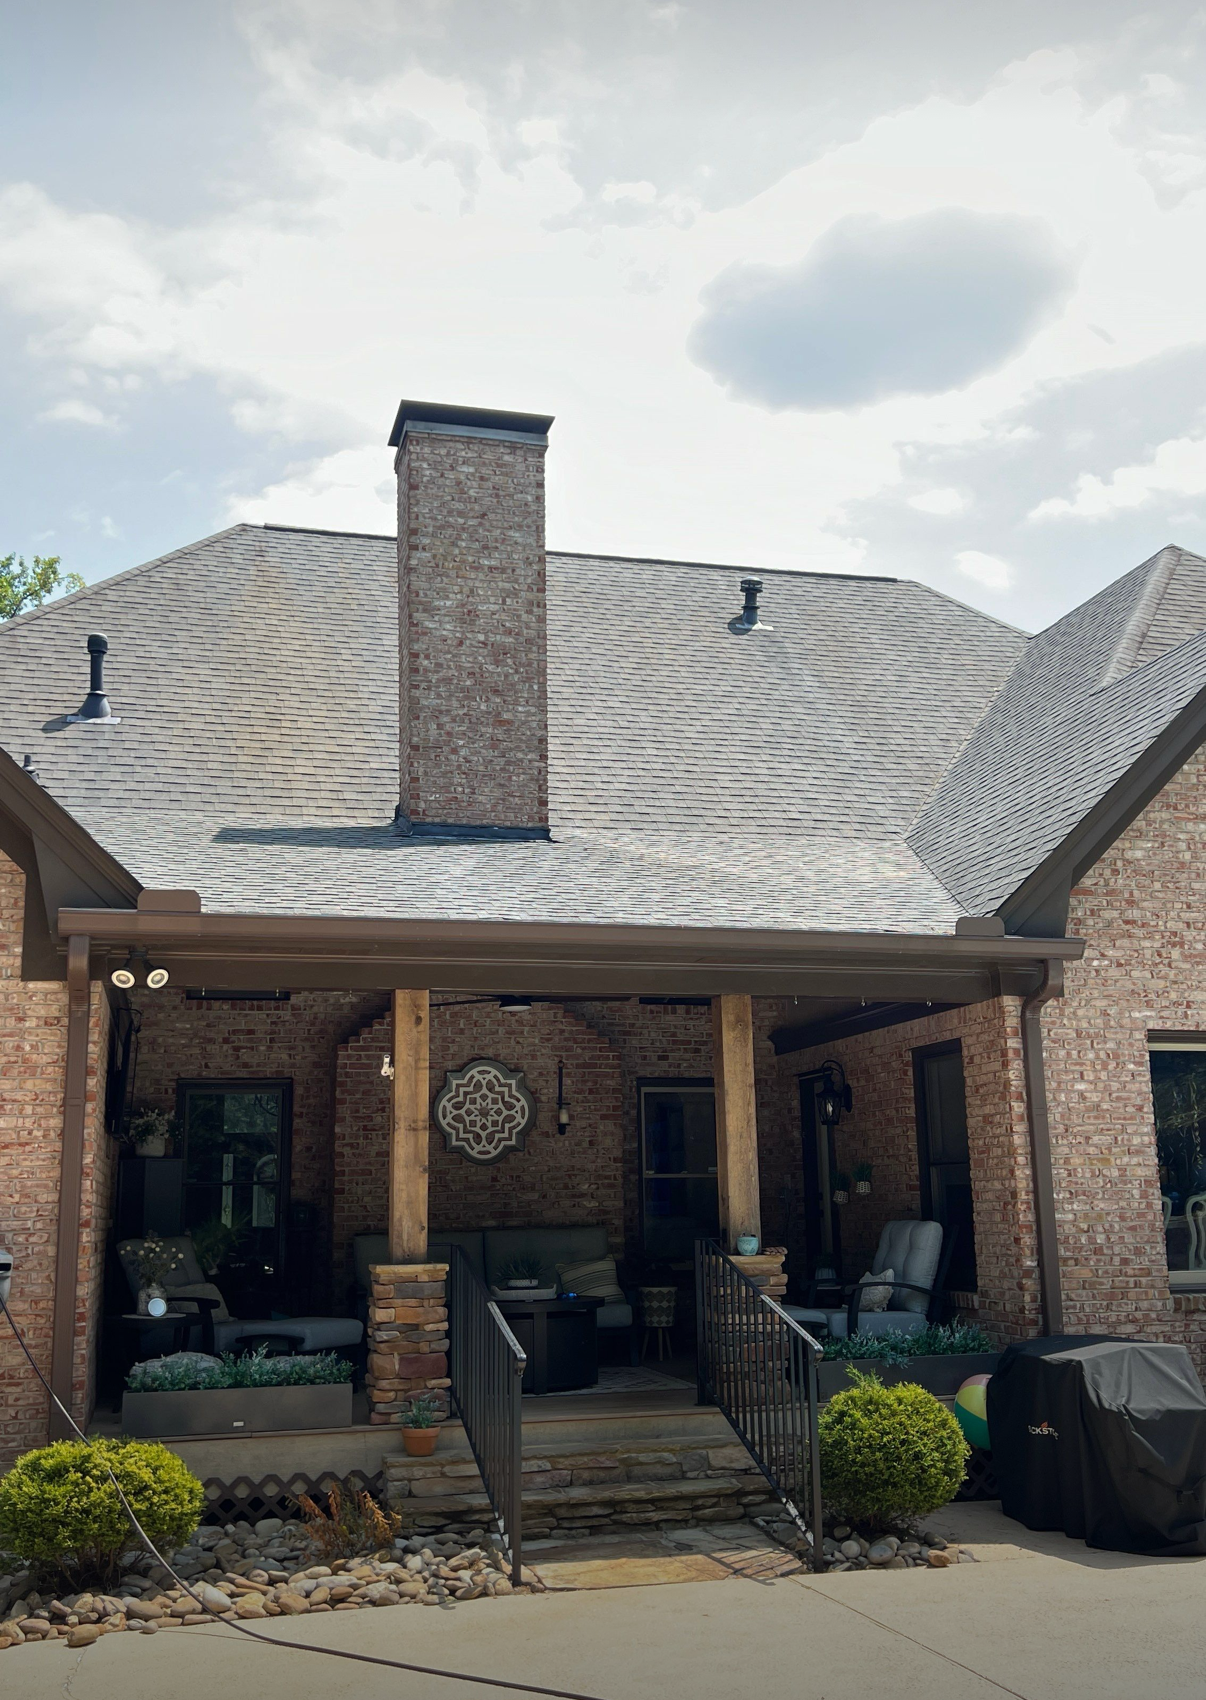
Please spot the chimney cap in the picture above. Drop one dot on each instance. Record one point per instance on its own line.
(470, 419)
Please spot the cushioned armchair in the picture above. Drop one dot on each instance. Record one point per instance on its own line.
(915, 1253)
(187, 1289)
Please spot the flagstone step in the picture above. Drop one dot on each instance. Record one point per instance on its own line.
(588, 1509)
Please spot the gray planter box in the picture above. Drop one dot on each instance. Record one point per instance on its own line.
(941, 1375)
(236, 1410)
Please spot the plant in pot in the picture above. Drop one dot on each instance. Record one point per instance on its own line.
(841, 1188)
(156, 1260)
(419, 1425)
(862, 1178)
(149, 1132)
(521, 1273)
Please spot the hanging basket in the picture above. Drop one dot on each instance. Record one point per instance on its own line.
(862, 1188)
(840, 1195)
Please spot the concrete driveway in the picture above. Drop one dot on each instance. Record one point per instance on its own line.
(1039, 1617)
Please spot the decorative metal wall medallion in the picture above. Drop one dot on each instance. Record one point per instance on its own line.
(484, 1110)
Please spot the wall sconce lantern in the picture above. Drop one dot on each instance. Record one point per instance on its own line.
(563, 1115)
(834, 1097)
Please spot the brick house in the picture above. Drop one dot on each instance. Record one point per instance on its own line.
(653, 836)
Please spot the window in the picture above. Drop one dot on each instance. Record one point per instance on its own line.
(1179, 1100)
(236, 1156)
(943, 1158)
(679, 1198)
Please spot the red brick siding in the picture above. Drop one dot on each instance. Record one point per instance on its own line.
(34, 1019)
(472, 588)
(233, 1040)
(575, 1178)
(1141, 912)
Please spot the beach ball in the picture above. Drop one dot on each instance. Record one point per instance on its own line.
(972, 1412)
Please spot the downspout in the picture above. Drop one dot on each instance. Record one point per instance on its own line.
(1050, 1291)
(71, 1180)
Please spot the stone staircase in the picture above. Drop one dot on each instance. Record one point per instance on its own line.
(585, 1476)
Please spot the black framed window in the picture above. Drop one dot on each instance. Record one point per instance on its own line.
(236, 1183)
(679, 1189)
(944, 1161)
(1178, 1070)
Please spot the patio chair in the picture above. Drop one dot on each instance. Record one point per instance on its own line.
(188, 1289)
(918, 1258)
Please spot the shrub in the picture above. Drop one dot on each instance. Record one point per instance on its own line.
(192, 1372)
(348, 1527)
(60, 1511)
(893, 1347)
(889, 1454)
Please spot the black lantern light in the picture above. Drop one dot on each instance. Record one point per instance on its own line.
(834, 1097)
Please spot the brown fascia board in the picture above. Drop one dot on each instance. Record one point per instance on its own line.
(217, 949)
(1040, 904)
(49, 824)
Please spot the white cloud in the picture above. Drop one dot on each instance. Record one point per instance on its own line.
(75, 412)
(1178, 468)
(941, 502)
(988, 570)
(352, 490)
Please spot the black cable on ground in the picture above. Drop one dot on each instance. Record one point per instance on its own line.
(255, 1634)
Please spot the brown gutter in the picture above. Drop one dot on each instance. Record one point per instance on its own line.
(1050, 1290)
(71, 1181)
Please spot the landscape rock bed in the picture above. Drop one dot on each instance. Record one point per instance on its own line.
(844, 1549)
(247, 1573)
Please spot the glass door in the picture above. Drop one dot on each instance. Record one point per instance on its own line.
(236, 1148)
(679, 1188)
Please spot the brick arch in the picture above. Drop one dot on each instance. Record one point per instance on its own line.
(575, 1178)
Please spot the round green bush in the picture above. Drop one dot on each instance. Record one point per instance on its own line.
(889, 1454)
(59, 1510)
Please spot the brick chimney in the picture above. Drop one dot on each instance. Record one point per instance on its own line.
(472, 628)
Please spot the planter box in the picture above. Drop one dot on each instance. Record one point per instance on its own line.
(941, 1375)
(236, 1410)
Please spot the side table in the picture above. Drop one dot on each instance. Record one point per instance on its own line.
(560, 1338)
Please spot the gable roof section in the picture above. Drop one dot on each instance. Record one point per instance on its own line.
(1089, 699)
(698, 777)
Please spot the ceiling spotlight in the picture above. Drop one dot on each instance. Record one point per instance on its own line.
(157, 978)
(514, 1005)
(123, 977)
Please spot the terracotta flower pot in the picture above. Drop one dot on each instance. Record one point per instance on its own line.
(420, 1442)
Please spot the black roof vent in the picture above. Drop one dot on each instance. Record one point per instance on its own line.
(95, 707)
(747, 620)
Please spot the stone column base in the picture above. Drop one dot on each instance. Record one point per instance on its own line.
(407, 1338)
(765, 1270)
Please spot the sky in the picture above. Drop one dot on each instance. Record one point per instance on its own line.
(905, 287)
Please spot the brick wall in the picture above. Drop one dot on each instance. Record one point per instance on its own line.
(228, 1039)
(575, 1178)
(1141, 913)
(882, 1131)
(33, 1019)
(472, 587)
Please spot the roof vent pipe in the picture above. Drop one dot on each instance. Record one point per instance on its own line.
(747, 620)
(95, 706)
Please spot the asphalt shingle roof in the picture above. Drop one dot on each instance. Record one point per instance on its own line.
(697, 776)
(1085, 700)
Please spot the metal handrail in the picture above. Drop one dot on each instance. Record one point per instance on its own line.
(759, 1367)
(486, 1365)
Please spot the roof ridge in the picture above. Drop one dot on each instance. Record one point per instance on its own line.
(57, 602)
(720, 566)
(1163, 564)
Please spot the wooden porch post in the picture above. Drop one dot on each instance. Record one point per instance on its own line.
(736, 1118)
(408, 1156)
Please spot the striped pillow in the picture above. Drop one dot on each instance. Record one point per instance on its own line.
(594, 1280)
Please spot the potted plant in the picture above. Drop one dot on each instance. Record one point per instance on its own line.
(939, 1358)
(149, 1132)
(419, 1425)
(190, 1393)
(841, 1188)
(156, 1261)
(862, 1178)
(521, 1272)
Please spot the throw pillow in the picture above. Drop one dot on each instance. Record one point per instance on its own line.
(594, 1280)
(873, 1295)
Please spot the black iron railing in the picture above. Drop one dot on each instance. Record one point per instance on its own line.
(760, 1367)
(486, 1365)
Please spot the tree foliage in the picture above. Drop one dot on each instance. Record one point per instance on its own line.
(25, 586)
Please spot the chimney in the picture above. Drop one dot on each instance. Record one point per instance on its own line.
(472, 630)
